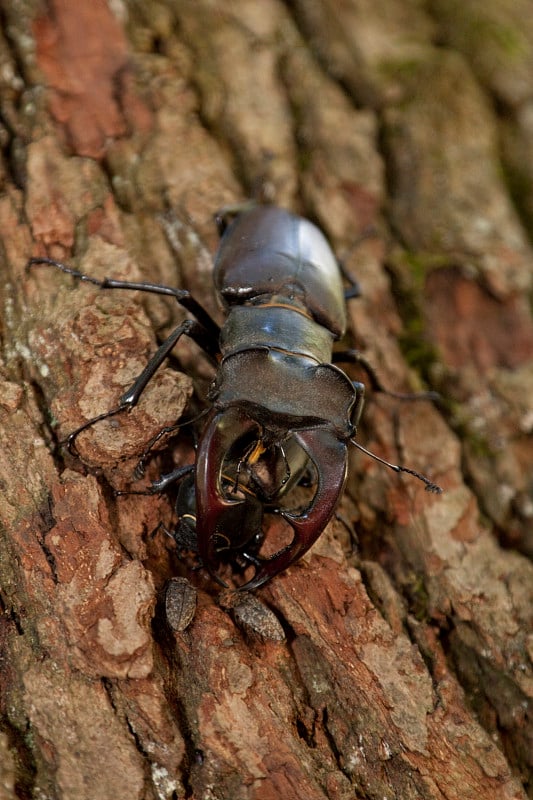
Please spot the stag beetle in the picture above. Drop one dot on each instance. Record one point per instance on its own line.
(280, 408)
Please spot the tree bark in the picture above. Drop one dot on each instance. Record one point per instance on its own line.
(405, 670)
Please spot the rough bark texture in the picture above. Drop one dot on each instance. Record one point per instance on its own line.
(406, 671)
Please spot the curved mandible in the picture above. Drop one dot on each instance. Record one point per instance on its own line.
(212, 504)
(329, 455)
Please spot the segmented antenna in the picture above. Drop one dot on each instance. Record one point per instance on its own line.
(430, 486)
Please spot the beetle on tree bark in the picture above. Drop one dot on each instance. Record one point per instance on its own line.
(281, 410)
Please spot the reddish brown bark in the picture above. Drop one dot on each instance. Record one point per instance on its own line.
(406, 666)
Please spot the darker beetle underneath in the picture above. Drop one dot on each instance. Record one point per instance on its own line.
(282, 413)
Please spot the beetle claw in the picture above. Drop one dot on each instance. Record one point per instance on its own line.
(329, 456)
(218, 516)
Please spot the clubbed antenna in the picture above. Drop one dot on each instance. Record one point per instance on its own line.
(430, 486)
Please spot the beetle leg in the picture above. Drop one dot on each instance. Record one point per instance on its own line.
(354, 289)
(225, 215)
(330, 458)
(356, 357)
(162, 483)
(357, 408)
(190, 328)
(182, 296)
(204, 331)
(131, 397)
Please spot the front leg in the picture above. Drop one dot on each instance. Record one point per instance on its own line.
(356, 357)
(204, 331)
(131, 397)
